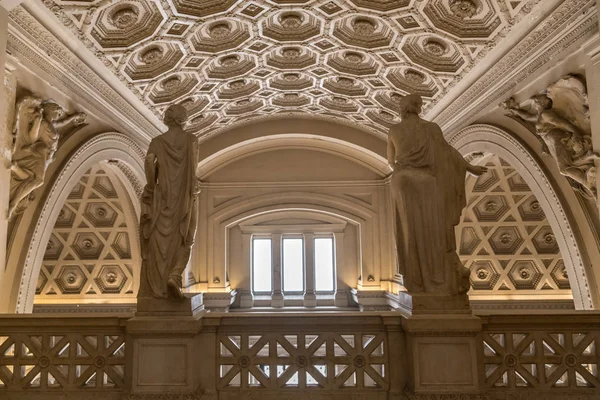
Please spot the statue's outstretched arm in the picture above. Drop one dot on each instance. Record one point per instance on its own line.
(78, 118)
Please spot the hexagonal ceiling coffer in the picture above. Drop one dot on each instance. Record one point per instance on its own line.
(54, 248)
(65, 218)
(545, 241)
(291, 58)
(484, 275)
(125, 23)
(238, 88)
(491, 208)
(410, 80)
(353, 63)
(506, 240)
(344, 86)
(70, 279)
(559, 275)
(110, 279)
(468, 241)
(524, 274)
(434, 53)
(100, 214)
(87, 246)
(172, 87)
(531, 210)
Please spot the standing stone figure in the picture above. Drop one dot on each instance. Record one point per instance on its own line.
(36, 134)
(169, 215)
(428, 189)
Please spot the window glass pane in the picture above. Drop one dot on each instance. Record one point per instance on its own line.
(324, 268)
(293, 265)
(261, 265)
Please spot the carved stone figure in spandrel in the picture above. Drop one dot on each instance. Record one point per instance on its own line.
(561, 119)
(169, 212)
(36, 134)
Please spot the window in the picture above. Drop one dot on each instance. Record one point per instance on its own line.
(261, 265)
(324, 265)
(293, 265)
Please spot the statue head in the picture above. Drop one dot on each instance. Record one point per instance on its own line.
(410, 104)
(542, 101)
(176, 115)
(52, 111)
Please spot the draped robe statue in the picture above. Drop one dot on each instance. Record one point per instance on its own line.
(428, 189)
(169, 214)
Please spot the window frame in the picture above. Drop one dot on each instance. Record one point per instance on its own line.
(334, 261)
(252, 238)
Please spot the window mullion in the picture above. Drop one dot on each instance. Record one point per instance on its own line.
(310, 298)
(277, 295)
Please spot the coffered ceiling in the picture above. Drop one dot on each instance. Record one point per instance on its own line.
(230, 60)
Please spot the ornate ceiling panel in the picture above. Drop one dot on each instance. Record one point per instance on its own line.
(228, 61)
(504, 236)
(90, 250)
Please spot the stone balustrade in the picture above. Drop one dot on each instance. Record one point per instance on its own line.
(352, 355)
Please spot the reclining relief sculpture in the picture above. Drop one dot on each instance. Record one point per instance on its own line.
(561, 118)
(428, 189)
(169, 213)
(37, 130)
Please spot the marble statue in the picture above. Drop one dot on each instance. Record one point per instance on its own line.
(37, 128)
(428, 189)
(561, 119)
(169, 214)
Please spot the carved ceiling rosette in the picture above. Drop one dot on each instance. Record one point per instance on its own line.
(465, 19)
(290, 100)
(383, 118)
(434, 53)
(291, 81)
(126, 23)
(291, 26)
(389, 100)
(238, 88)
(221, 35)
(362, 31)
(338, 103)
(194, 105)
(412, 81)
(172, 88)
(291, 58)
(353, 63)
(153, 60)
(244, 106)
(231, 66)
(382, 5)
(344, 86)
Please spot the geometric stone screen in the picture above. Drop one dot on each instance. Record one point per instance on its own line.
(504, 237)
(89, 254)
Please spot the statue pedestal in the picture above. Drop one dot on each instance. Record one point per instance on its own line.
(443, 355)
(190, 305)
(431, 303)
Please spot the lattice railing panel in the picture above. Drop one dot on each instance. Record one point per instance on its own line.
(64, 362)
(319, 361)
(542, 360)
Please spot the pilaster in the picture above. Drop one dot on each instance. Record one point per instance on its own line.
(310, 298)
(277, 295)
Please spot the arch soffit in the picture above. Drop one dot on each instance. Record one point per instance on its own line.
(102, 147)
(323, 129)
(347, 150)
(238, 212)
(483, 137)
